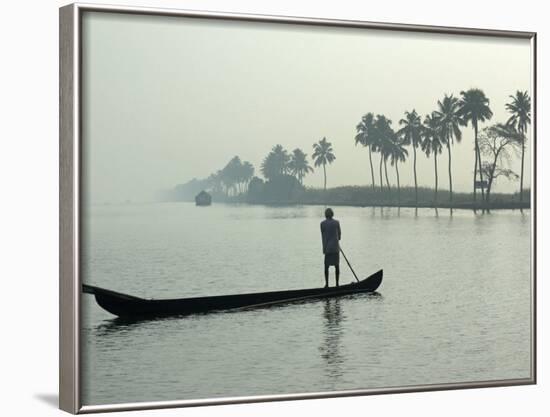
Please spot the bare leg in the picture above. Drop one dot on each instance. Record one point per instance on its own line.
(326, 276)
(337, 267)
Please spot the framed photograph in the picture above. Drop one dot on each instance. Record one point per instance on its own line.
(258, 208)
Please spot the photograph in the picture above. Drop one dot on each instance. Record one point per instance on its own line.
(275, 208)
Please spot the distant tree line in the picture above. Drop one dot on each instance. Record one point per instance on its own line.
(233, 179)
(443, 129)
(230, 181)
(283, 172)
(283, 175)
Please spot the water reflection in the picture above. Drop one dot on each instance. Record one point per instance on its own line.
(332, 337)
(119, 326)
(525, 218)
(332, 348)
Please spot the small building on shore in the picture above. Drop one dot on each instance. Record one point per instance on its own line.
(203, 199)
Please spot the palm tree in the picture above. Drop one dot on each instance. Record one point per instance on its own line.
(298, 165)
(215, 181)
(398, 153)
(449, 120)
(383, 134)
(520, 108)
(269, 166)
(323, 154)
(231, 175)
(247, 172)
(474, 108)
(365, 136)
(386, 149)
(432, 143)
(411, 132)
(275, 163)
(282, 158)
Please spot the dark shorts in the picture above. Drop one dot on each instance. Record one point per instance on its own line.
(332, 259)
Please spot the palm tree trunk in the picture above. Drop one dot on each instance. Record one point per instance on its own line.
(450, 174)
(522, 162)
(381, 182)
(325, 175)
(475, 172)
(415, 180)
(387, 180)
(371, 168)
(398, 185)
(435, 166)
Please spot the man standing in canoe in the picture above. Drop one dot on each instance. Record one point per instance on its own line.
(331, 234)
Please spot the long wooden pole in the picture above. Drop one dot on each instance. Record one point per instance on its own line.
(350, 267)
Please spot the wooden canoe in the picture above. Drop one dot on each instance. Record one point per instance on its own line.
(129, 307)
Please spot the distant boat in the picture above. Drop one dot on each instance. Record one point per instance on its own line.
(203, 199)
(130, 307)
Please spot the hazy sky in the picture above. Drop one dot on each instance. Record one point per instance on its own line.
(168, 99)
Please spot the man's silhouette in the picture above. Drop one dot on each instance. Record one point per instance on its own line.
(331, 234)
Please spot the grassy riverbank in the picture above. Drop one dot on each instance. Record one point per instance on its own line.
(365, 196)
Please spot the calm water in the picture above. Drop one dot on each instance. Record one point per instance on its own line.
(454, 305)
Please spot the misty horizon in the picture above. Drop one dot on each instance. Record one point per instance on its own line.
(169, 99)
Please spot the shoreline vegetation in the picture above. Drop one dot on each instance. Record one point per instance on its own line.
(435, 135)
(358, 196)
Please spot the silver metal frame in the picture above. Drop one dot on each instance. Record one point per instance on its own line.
(70, 204)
